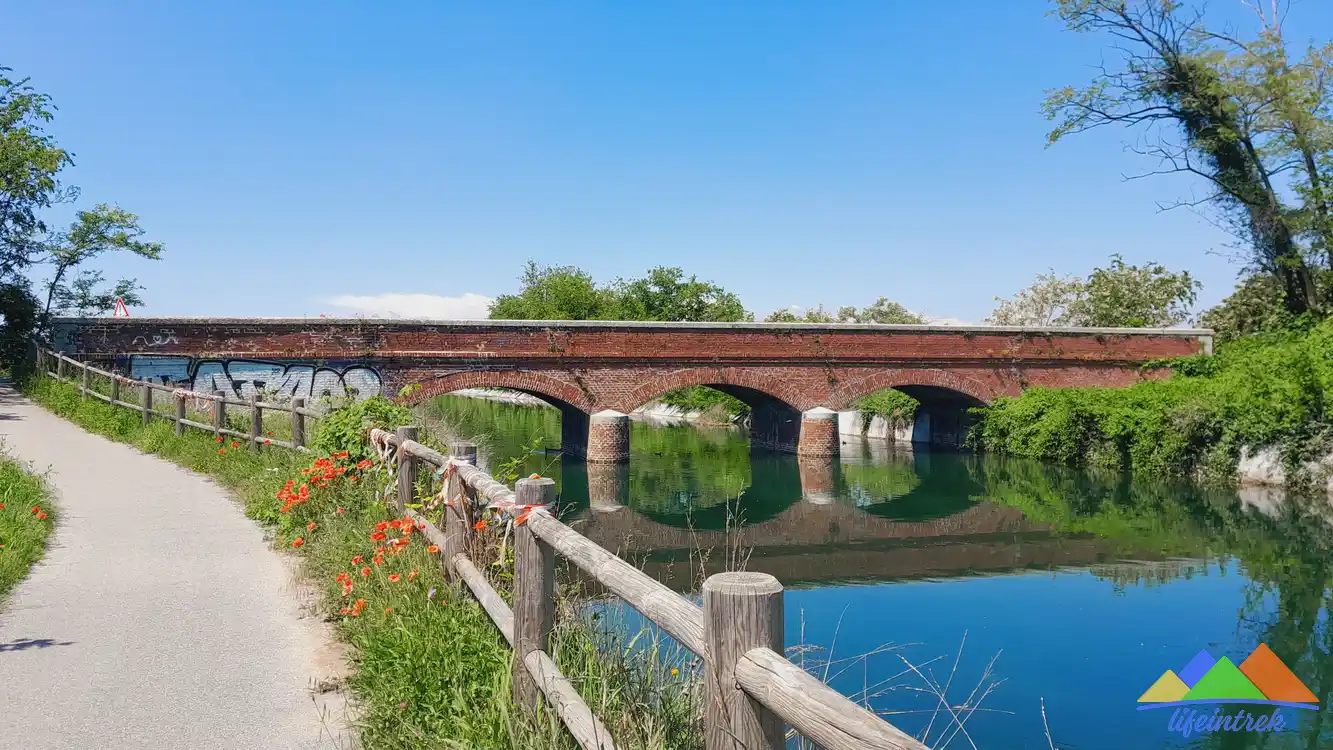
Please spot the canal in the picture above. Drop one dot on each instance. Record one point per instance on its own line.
(1008, 586)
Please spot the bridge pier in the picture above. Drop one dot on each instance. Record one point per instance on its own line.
(778, 427)
(608, 437)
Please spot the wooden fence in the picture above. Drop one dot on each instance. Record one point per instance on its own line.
(752, 691)
(140, 396)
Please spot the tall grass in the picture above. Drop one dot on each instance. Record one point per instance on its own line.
(27, 517)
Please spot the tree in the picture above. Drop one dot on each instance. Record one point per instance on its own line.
(30, 165)
(1047, 302)
(1216, 108)
(568, 293)
(1119, 296)
(1124, 296)
(883, 311)
(1256, 306)
(101, 230)
(665, 294)
(555, 293)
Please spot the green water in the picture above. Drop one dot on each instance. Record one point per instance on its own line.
(1047, 586)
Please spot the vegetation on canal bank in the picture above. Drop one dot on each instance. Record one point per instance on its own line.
(428, 661)
(1266, 390)
(27, 517)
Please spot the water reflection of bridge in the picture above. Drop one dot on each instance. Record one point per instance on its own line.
(810, 520)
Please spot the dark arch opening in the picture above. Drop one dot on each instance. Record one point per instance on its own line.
(569, 433)
(925, 414)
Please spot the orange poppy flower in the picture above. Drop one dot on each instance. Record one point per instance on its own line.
(381, 526)
(235, 444)
(394, 578)
(41, 516)
(379, 536)
(310, 526)
(388, 610)
(357, 560)
(36, 509)
(344, 610)
(411, 575)
(298, 541)
(433, 548)
(222, 450)
(339, 511)
(479, 525)
(365, 572)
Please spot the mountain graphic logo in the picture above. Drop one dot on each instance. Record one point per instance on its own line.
(1261, 678)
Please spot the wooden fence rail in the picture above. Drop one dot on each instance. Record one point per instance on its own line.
(254, 435)
(752, 691)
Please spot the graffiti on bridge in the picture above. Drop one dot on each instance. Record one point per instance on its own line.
(244, 377)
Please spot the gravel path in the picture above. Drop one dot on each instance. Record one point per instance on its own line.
(159, 618)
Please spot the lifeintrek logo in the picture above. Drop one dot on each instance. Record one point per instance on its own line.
(1262, 680)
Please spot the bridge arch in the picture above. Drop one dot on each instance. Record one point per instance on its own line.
(745, 384)
(941, 383)
(557, 393)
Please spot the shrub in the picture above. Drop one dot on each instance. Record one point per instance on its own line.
(343, 430)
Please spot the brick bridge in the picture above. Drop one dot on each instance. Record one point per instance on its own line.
(795, 377)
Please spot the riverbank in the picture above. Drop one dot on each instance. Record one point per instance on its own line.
(1256, 412)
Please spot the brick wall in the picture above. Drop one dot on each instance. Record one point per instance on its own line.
(596, 366)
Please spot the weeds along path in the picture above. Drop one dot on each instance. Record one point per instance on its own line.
(159, 618)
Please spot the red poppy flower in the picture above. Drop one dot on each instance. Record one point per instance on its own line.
(310, 526)
(433, 548)
(41, 516)
(365, 572)
(382, 525)
(411, 575)
(378, 536)
(388, 610)
(479, 525)
(357, 560)
(339, 512)
(36, 509)
(222, 450)
(298, 541)
(235, 444)
(394, 577)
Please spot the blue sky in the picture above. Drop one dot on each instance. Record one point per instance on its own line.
(291, 154)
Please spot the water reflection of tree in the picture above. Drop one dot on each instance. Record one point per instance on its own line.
(1287, 559)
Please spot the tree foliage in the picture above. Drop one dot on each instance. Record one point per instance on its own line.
(1237, 113)
(30, 167)
(569, 293)
(1118, 296)
(883, 311)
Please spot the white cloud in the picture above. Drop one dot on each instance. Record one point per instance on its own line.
(467, 306)
(945, 320)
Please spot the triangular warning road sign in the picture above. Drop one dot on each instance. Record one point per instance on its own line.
(121, 310)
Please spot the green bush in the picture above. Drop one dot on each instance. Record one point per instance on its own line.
(26, 520)
(1267, 390)
(344, 428)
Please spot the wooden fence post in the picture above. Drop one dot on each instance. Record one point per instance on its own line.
(60, 367)
(534, 591)
(219, 413)
(115, 389)
(180, 413)
(87, 379)
(256, 423)
(742, 611)
(407, 470)
(298, 422)
(146, 400)
(41, 361)
(457, 526)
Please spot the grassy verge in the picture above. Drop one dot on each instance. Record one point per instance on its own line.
(27, 517)
(430, 668)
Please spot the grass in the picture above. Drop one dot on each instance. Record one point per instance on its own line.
(430, 667)
(27, 517)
